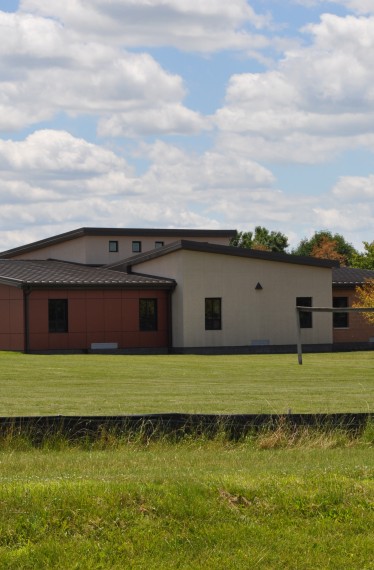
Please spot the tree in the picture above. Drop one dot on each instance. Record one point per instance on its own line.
(364, 260)
(272, 241)
(328, 249)
(242, 239)
(320, 241)
(365, 298)
(261, 239)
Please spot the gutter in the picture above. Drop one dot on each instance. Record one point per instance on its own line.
(26, 320)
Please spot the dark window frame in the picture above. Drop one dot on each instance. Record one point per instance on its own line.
(113, 246)
(340, 320)
(305, 317)
(136, 246)
(58, 321)
(159, 244)
(213, 313)
(148, 314)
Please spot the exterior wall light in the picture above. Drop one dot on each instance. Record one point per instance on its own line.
(258, 287)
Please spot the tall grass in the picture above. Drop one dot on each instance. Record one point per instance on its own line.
(300, 502)
(279, 435)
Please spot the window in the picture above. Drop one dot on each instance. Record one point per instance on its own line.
(340, 320)
(159, 244)
(136, 246)
(148, 314)
(58, 315)
(113, 246)
(213, 314)
(306, 321)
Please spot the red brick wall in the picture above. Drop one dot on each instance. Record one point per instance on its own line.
(97, 316)
(359, 330)
(11, 318)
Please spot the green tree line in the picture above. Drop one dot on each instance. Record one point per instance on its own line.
(323, 244)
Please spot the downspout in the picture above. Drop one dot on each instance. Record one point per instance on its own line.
(26, 320)
(170, 321)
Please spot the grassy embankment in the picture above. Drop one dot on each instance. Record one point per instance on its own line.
(276, 500)
(268, 503)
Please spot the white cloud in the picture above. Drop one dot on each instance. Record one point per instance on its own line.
(56, 153)
(74, 58)
(354, 218)
(170, 118)
(53, 182)
(357, 6)
(355, 188)
(349, 209)
(67, 182)
(316, 103)
(197, 25)
(52, 176)
(66, 74)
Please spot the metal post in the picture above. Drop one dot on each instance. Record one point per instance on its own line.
(323, 310)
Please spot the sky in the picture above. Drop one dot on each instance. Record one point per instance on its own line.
(187, 114)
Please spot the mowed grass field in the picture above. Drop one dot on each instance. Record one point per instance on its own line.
(273, 500)
(115, 385)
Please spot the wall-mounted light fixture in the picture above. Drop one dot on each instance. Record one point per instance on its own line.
(258, 287)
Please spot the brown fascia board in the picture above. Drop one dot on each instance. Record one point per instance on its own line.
(152, 282)
(99, 286)
(112, 232)
(38, 285)
(204, 247)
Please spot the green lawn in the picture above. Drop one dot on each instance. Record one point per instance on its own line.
(275, 500)
(193, 505)
(108, 384)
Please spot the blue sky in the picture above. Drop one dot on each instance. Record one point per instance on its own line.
(186, 113)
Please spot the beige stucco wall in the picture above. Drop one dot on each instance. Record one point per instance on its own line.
(71, 250)
(95, 249)
(248, 316)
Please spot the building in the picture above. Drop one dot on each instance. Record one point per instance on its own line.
(100, 246)
(350, 328)
(184, 295)
(52, 305)
(235, 297)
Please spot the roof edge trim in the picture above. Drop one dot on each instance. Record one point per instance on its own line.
(205, 247)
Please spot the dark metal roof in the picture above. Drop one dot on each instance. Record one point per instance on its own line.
(127, 264)
(350, 276)
(112, 232)
(52, 274)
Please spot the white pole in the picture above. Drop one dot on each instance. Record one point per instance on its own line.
(323, 310)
